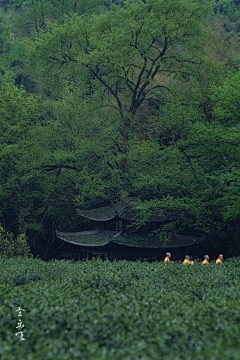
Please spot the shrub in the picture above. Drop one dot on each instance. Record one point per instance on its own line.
(11, 247)
(95, 310)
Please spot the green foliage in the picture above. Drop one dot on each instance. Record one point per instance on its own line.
(101, 69)
(125, 310)
(11, 246)
(132, 102)
(6, 36)
(25, 191)
(227, 98)
(30, 17)
(192, 170)
(227, 7)
(18, 113)
(128, 46)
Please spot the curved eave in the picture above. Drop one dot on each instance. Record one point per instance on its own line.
(176, 241)
(164, 245)
(84, 245)
(102, 214)
(124, 211)
(100, 239)
(96, 219)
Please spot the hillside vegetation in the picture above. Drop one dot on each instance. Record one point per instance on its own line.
(103, 99)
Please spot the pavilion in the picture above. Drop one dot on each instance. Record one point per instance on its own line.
(110, 233)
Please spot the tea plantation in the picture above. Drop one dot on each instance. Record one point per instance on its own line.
(119, 310)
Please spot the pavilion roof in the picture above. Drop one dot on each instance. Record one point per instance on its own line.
(94, 238)
(149, 241)
(124, 210)
(104, 213)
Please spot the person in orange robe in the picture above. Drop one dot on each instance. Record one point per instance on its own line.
(187, 260)
(168, 257)
(206, 260)
(219, 259)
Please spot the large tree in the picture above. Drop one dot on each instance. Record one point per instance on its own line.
(115, 64)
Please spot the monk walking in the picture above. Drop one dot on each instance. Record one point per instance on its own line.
(168, 257)
(187, 261)
(219, 259)
(206, 260)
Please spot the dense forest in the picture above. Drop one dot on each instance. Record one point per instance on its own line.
(100, 99)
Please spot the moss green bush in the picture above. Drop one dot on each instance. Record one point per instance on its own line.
(120, 310)
(12, 247)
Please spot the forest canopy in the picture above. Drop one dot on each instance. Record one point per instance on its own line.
(103, 99)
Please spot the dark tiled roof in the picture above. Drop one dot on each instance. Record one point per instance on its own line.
(94, 238)
(88, 238)
(149, 241)
(104, 213)
(124, 211)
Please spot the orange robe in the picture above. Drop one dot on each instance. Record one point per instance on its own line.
(186, 262)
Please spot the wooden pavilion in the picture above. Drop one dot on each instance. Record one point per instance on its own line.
(110, 233)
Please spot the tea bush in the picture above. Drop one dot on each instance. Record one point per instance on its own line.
(119, 310)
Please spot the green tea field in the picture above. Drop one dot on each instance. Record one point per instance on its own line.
(119, 310)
